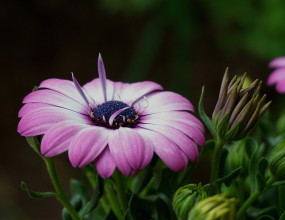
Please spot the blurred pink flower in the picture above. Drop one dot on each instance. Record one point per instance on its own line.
(114, 124)
(278, 75)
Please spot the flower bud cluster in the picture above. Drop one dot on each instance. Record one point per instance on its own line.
(216, 207)
(238, 108)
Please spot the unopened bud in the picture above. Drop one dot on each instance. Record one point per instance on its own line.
(238, 107)
(185, 198)
(216, 207)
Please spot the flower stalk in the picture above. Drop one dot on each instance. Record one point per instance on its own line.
(252, 198)
(60, 194)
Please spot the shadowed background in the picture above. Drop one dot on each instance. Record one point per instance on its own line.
(179, 44)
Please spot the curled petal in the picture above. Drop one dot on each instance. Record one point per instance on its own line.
(102, 76)
(80, 90)
(115, 114)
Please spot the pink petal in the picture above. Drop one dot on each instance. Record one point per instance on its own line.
(87, 145)
(131, 92)
(58, 137)
(117, 152)
(80, 90)
(165, 101)
(280, 86)
(276, 76)
(179, 138)
(65, 87)
(132, 146)
(95, 91)
(38, 121)
(179, 116)
(31, 107)
(56, 99)
(277, 62)
(105, 164)
(191, 131)
(167, 150)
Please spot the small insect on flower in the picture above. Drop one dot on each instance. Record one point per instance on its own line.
(114, 124)
(277, 77)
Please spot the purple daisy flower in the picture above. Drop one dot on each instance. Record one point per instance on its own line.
(277, 76)
(114, 124)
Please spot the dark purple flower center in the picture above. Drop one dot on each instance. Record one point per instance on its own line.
(102, 113)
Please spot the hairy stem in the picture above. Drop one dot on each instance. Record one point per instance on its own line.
(216, 157)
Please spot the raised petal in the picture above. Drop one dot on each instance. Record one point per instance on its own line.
(37, 122)
(87, 145)
(177, 137)
(105, 164)
(166, 101)
(58, 137)
(277, 62)
(276, 76)
(166, 149)
(102, 76)
(130, 93)
(56, 99)
(80, 90)
(95, 91)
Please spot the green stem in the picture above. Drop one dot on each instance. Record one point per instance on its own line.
(252, 198)
(91, 176)
(121, 190)
(215, 170)
(113, 200)
(60, 195)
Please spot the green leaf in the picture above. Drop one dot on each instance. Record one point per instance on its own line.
(265, 217)
(250, 145)
(36, 195)
(207, 121)
(164, 208)
(227, 180)
(262, 165)
(261, 183)
(169, 182)
(223, 125)
(282, 217)
(232, 132)
(256, 212)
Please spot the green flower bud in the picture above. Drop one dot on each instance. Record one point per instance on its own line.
(185, 198)
(216, 207)
(277, 161)
(238, 107)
